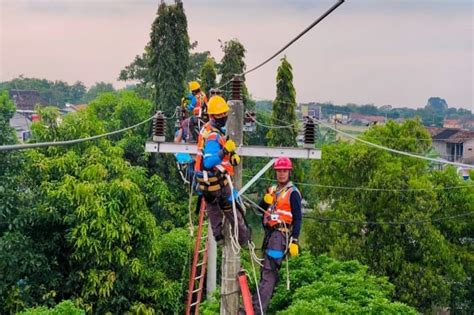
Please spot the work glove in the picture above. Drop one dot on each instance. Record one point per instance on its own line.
(268, 198)
(229, 146)
(234, 159)
(294, 248)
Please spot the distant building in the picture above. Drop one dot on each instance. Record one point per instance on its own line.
(26, 99)
(356, 118)
(21, 122)
(451, 123)
(455, 145)
(71, 108)
(312, 110)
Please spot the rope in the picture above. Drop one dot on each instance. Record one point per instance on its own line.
(393, 150)
(68, 142)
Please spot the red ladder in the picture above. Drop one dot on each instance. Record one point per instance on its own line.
(198, 269)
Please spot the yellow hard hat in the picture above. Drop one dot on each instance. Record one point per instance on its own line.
(217, 105)
(194, 85)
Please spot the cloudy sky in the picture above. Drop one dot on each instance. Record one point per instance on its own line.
(397, 52)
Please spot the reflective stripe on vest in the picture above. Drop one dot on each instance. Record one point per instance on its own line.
(208, 132)
(282, 205)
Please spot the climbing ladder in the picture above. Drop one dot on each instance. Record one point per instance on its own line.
(198, 268)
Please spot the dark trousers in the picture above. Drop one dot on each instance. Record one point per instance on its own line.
(276, 242)
(218, 205)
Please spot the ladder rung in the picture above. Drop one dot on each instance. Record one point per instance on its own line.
(200, 264)
(195, 303)
(197, 290)
(198, 277)
(203, 250)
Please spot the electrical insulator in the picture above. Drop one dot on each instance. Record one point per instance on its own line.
(236, 88)
(309, 133)
(249, 121)
(159, 126)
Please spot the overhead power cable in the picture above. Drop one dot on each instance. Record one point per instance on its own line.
(378, 146)
(355, 222)
(69, 142)
(307, 29)
(370, 189)
(414, 222)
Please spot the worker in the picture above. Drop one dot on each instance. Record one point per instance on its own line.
(198, 99)
(215, 158)
(282, 225)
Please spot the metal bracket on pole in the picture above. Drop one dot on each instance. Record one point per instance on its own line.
(258, 151)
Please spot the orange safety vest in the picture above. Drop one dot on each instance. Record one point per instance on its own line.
(208, 132)
(280, 211)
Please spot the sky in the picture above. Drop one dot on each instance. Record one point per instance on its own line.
(382, 52)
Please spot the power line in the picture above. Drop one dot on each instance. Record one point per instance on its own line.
(415, 222)
(371, 189)
(354, 222)
(69, 142)
(291, 42)
(392, 150)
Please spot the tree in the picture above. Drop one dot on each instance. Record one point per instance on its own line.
(169, 55)
(56, 93)
(196, 62)
(322, 285)
(231, 64)
(437, 104)
(423, 263)
(284, 106)
(208, 75)
(89, 235)
(96, 90)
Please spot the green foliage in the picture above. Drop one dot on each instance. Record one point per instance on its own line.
(169, 55)
(7, 110)
(284, 106)
(56, 93)
(323, 285)
(63, 308)
(88, 234)
(196, 63)
(422, 261)
(96, 90)
(208, 75)
(233, 63)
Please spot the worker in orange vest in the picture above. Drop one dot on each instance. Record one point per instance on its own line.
(198, 99)
(215, 158)
(282, 224)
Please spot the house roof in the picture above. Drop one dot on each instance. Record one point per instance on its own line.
(451, 122)
(357, 116)
(461, 136)
(79, 107)
(26, 99)
(453, 135)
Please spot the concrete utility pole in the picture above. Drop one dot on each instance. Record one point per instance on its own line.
(230, 291)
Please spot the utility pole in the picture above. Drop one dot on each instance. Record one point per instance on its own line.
(230, 260)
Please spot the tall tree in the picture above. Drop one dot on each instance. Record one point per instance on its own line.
(233, 63)
(196, 62)
(169, 55)
(208, 74)
(284, 108)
